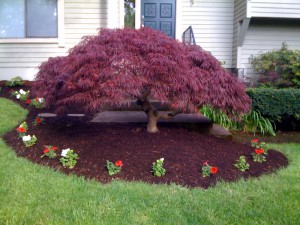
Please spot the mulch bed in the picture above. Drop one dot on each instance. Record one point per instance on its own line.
(184, 150)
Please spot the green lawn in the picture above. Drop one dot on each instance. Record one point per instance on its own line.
(31, 194)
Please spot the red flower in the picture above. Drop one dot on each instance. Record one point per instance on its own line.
(54, 148)
(259, 151)
(21, 129)
(213, 170)
(37, 99)
(255, 141)
(28, 101)
(38, 120)
(46, 150)
(119, 163)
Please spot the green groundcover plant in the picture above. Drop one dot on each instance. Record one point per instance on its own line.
(29, 140)
(50, 151)
(208, 170)
(260, 150)
(242, 164)
(157, 168)
(114, 168)
(69, 158)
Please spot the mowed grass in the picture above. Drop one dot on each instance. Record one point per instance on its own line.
(31, 194)
(10, 115)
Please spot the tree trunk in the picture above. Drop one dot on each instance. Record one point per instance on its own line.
(153, 115)
(152, 122)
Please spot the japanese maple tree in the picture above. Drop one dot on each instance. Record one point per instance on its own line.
(118, 66)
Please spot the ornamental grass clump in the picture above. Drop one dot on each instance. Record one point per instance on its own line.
(158, 169)
(114, 168)
(261, 149)
(241, 164)
(69, 158)
(208, 170)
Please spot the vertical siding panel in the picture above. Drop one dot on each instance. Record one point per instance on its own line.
(212, 22)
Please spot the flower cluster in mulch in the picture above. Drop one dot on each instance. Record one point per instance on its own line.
(185, 152)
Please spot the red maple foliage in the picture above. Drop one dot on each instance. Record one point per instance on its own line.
(117, 66)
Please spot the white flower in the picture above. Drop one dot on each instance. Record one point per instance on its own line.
(64, 152)
(26, 138)
(41, 100)
(22, 92)
(18, 96)
(162, 159)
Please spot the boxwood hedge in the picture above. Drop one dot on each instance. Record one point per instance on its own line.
(276, 104)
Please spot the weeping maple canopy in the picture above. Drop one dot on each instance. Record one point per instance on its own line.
(117, 66)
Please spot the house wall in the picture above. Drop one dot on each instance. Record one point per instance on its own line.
(212, 23)
(240, 12)
(274, 8)
(80, 17)
(265, 35)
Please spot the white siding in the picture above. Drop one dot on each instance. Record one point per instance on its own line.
(267, 35)
(275, 8)
(81, 17)
(240, 12)
(212, 22)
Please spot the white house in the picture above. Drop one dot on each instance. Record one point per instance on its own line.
(232, 30)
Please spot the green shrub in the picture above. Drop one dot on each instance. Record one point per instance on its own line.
(276, 104)
(278, 68)
(15, 81)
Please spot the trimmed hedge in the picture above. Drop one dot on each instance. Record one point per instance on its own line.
(276, 104)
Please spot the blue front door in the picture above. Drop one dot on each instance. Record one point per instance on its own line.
(159, 15)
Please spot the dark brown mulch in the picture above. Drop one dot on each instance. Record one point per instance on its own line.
(184, 151)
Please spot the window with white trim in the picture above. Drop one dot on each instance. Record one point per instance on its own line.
(28, 19)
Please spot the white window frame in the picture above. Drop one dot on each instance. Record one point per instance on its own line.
(60, 40)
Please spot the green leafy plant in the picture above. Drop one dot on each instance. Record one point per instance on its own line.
(242, 164)
(114, 168)
(69, 158)
(278, 68)
(29, 140)
(208, 170)
(157, 168)
(251, 122)
(49, 151)
(21, 94)
(15, 81)
(260, 150)
(254, 122)
(22, 129)
(37, 102)
(219, 117)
